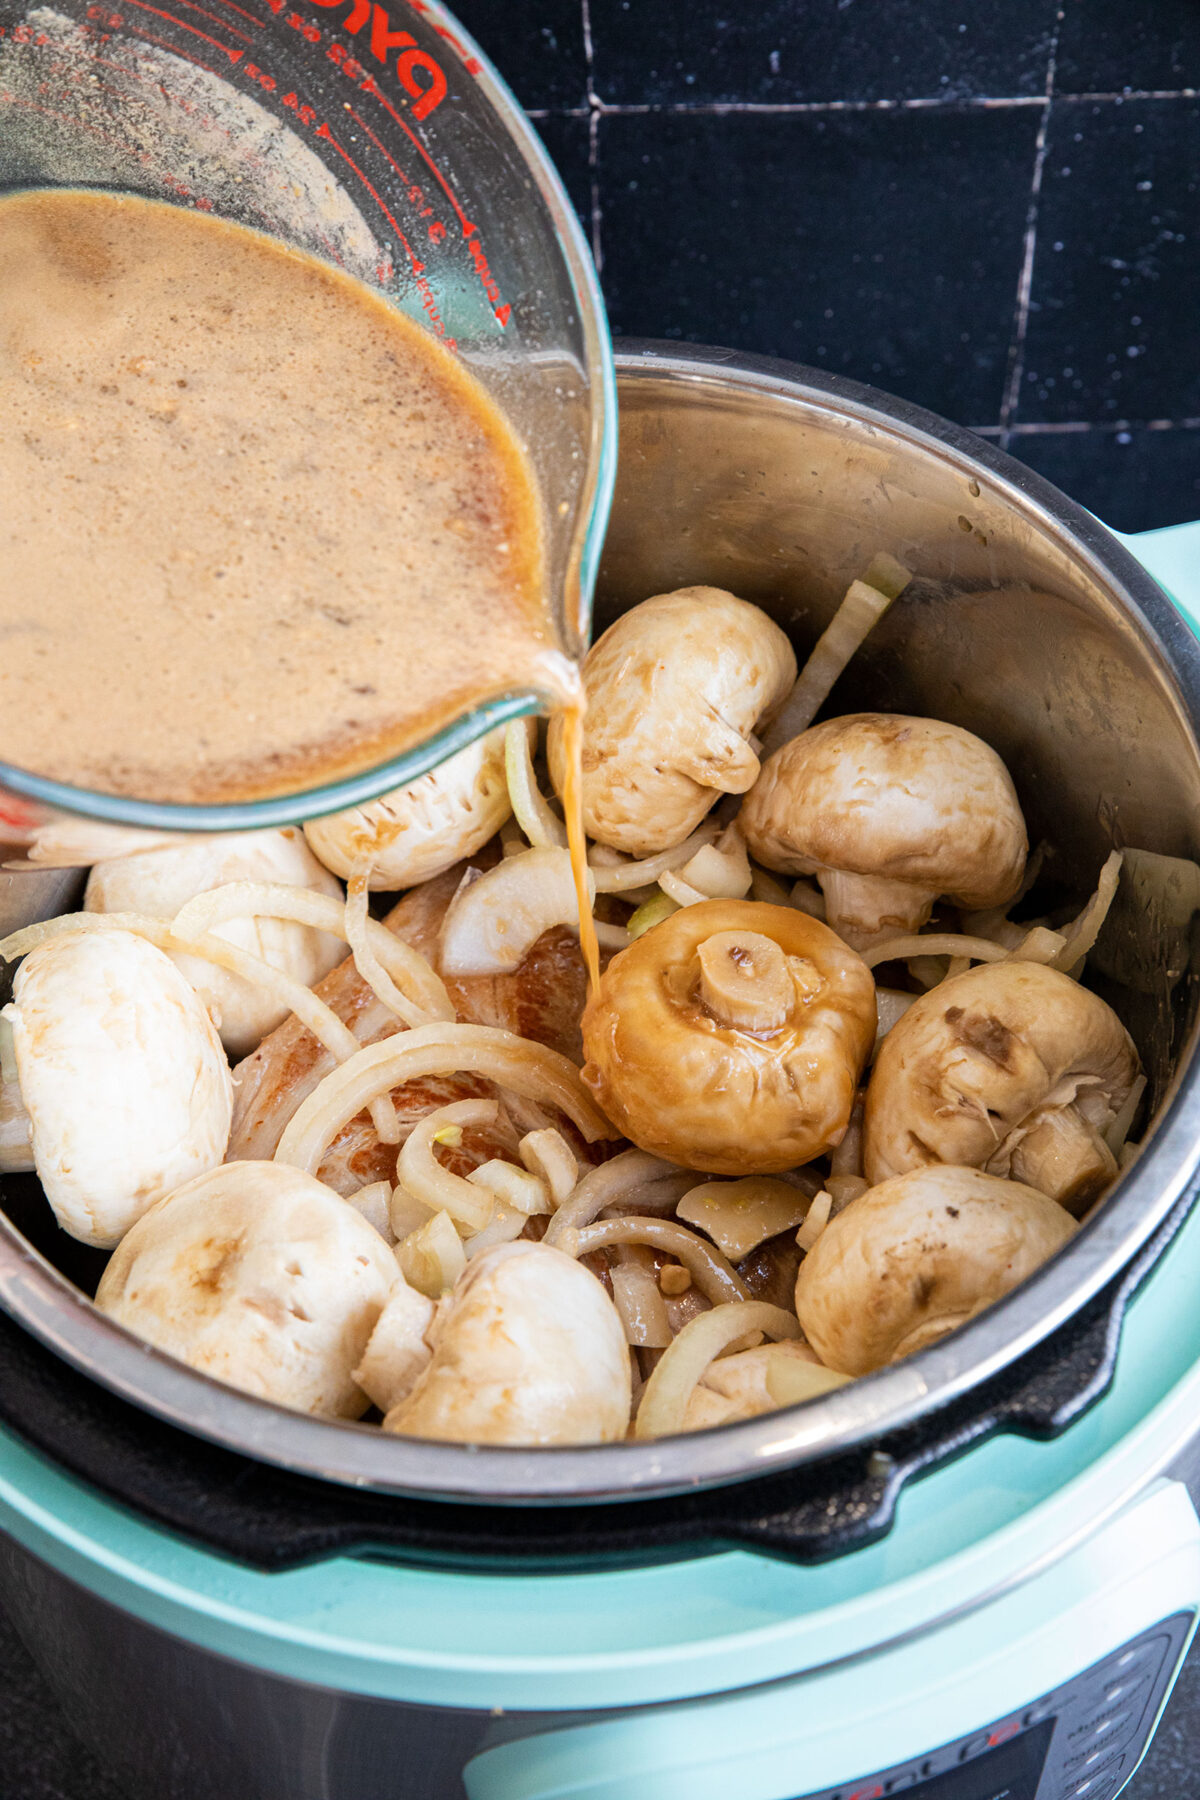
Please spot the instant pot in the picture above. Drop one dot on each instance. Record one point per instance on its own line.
(972, 1576)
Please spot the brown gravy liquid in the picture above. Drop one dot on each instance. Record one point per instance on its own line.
(258, 530)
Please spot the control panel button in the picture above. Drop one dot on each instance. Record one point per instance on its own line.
(1135, 1656)
(1135, 1682)
(1099, 1786)
(1088, 1761)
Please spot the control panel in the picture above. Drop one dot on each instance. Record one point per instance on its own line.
(1081, 1741)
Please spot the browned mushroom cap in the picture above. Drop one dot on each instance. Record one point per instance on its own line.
(889, 813)
(1013, 1068)
(910, 1260)
(674, 690)
(730, 1037)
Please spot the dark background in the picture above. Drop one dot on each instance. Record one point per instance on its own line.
(991, 209)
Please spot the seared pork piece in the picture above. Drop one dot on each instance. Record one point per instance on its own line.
(543, 1000)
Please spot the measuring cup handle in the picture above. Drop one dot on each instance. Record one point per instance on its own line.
(1172, 556)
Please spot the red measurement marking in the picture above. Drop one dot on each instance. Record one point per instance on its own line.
(162, 43)
(418, 267)
(232, 29)
(467, 228)
(378, 143)
(233, 55)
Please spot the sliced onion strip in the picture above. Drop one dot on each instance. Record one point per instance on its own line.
(524, 1067)
(1122, 1124)
(374, 1202)
(815, 1221)
(934, 943)
(366, 959)
(680, 891)
(382, 1111)
(638, 1300)
(548, 1155)
(711, 1272)
(432, 1258)
(512, 1187)
(890, 1005)
(1039, 944)
(424, 1001)
(719, 871)
(652, 912)
(861, 610)
(622, 1178)
(534, 814)
(670, 1387)
(619, 878)
(505, 1224)
(422, 1175)
(1082, 934)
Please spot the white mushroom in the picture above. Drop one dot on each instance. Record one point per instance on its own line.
(1013, 1068)
(416, 832)
(258, 1275)
(158, 882)
(123, 1077)
(730, 1038)
(913, 1258)
(675, 689)
(528, 1350)
(889, 813)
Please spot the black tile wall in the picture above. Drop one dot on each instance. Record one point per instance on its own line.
(879, 187)
(882, 246)
(567, 138)
(537, 45)
(1108, 46)
(856, 50)
(1116, 281)
(1135, 478)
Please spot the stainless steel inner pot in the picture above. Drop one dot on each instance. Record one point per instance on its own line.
(1030, 625)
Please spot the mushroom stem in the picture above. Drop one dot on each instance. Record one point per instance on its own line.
(865, 909)
(745, 981)
(1063, 1156)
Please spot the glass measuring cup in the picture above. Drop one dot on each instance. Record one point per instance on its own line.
(377, 137)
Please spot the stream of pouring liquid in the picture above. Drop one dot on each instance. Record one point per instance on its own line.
(572, 799)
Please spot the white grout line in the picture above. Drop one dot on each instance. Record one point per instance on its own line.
(1016, 349)
(594, 110)
(1110, 426)
(783, 108)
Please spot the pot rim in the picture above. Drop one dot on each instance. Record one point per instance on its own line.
(847, 1419)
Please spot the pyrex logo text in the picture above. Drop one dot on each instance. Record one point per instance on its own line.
(417, 72)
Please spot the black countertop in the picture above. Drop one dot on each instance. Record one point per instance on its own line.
(991, 210)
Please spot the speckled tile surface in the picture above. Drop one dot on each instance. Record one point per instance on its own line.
(993, 210)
